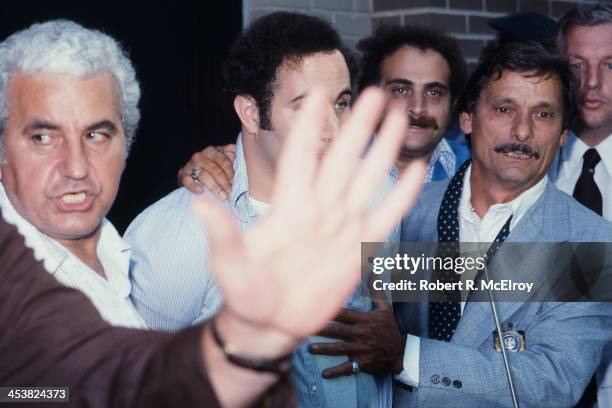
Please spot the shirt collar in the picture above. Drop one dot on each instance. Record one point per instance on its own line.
(443, 154)
(605, 152)
(45, 249)
(110, 243)
(115, 254)
(241, 206)
(52, 253)
(573, 151)
(518, 207)
(260, 206)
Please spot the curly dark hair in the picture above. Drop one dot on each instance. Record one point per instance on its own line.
(523, 56)
(389, 38)
(268, 42)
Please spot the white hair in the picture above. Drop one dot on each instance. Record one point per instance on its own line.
(64, 47)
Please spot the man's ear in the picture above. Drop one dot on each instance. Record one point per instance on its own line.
(248, 112)
(465, 122)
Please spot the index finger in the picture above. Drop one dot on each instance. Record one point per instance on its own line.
(338, 167)
(343, 369)
(297, 164)
(350, 316)
(336, 330)
(221, 159)
(398, 201)
(230, 151)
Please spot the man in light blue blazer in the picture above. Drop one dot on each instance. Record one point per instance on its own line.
(517, 108)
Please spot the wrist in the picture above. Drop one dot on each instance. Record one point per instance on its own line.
(251, 340)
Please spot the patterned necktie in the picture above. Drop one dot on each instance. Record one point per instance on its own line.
(586, 191)
(444, 316)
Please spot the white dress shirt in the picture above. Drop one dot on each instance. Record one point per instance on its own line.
(570, 167)
(110, 295)
(473, 229)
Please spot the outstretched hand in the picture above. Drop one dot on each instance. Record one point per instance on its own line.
(294, 269)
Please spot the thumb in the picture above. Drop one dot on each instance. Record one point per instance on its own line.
(230, 151)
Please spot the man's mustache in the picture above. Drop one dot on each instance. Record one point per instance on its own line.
(522, 148)
(424, 122)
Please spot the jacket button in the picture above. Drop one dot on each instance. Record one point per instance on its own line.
(446, 381)
(457, 384)
(435, 379)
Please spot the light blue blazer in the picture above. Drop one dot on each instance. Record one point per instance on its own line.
(565, 341)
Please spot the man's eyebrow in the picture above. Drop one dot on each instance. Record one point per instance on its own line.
(345, 92)
(40, 124)
(499, 100)
(399, 81)
(580, 57)
(436, 84)
(297, 98)
(547, 105)
(540, 105)
(103, 124)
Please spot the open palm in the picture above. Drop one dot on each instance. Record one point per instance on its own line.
(296, 267)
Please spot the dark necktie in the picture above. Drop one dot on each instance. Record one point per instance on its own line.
(444, 316)
(586, 191)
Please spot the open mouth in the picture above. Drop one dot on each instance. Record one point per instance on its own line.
(516, 155)
(74, 198)
(419, 127)
(518, 151)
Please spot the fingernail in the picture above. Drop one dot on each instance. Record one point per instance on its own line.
(222, 195)
(312, 348)
(325, 374)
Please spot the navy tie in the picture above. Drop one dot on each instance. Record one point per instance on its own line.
(444, 316)
(586, 191)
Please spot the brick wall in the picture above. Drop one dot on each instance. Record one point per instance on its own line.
(352, 18)
(466, 20)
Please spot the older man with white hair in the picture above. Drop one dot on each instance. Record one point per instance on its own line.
(68, 114)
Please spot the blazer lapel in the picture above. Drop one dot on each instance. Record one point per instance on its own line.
(540, 224)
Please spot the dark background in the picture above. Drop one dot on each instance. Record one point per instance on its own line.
(177, 49)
